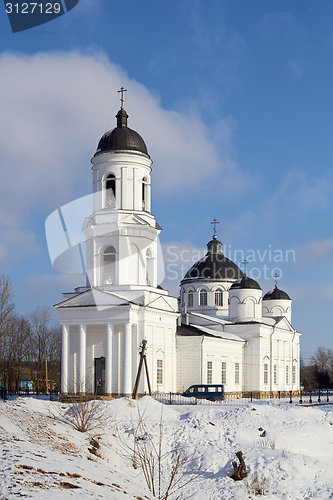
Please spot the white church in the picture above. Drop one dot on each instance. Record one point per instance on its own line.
(221, 330)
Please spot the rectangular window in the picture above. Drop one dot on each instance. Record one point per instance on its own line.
(275, 374)
(209, 372)
(218, 298)
(190, 298)
(294, 374)
(287, 374)
(236, 373)
(265, 373)
(159, 371)
(224, 373)
(203, 298)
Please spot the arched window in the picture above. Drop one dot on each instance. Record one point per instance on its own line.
(203, 298)
(110, 187)
(109, 265)
(149, 267)
(145, 194)
(190, 298)
(182, 296)
(218, 297)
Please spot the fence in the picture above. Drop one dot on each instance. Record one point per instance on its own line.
(5, 393)
(302, 398)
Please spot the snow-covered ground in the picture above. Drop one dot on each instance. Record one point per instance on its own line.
(287, 449)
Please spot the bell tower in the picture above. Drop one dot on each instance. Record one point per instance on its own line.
(121, 233)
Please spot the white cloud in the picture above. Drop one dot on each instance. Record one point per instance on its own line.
(317, 253)
(296, 67)
(273, 22)
(55, 107)
(179, 257)
(46, 290)
(297, 192)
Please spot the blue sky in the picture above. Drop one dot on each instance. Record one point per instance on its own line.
(233, 99)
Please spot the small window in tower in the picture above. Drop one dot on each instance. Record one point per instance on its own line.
(218, 297)
(203, 298)
(110, 187)
(109, 265)
(144, 194)
(190, 298)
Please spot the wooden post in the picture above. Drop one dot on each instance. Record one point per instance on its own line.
(143, 360)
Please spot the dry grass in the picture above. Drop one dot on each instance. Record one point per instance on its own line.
(266, 443)
(256, 485)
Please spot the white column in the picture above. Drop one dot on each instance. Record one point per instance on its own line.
(64, 359)
(127, 360)
(82, 357)
(148, 195)
(108, 359)
(103, 194)
(124, 203)
(137, 190)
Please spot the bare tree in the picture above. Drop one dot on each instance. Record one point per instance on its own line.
(53, 353)
(166, 471)
(6, 303)
(6, 316)
(16, 349)
(323, 362)
(39, 320)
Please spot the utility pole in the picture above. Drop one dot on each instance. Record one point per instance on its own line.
(46, 374)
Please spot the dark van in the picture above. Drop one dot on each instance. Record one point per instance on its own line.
(205, 391)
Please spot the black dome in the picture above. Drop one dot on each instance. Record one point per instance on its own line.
(214, 267)
(122, 138)
(276, 294)
(245, 282)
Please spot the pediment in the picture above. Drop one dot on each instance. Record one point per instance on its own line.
(93, 298)
(162, 303)
(283, 323)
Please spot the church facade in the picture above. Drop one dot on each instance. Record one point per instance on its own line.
(221, 330)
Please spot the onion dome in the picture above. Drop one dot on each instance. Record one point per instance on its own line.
(214, 265)
(276, 294)
(121, 138)
(245, 282)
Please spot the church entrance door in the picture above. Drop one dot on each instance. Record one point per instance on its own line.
(100, 376)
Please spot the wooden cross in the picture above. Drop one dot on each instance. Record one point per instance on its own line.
(122, 90)
(215, 221)
(245, 263)
(276, 276)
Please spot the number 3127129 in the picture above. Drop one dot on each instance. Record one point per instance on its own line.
(30, 8)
